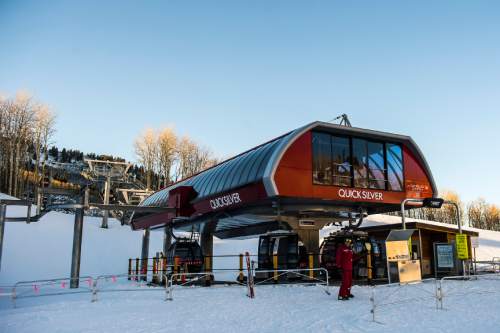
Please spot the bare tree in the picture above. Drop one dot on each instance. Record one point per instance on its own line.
(43, 131)
(193, 158)
(483, 215)
(167, 154)
(146, 151)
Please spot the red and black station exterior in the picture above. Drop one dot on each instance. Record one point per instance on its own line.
(314, 175)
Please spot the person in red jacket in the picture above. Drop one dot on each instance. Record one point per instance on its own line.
(343, 258)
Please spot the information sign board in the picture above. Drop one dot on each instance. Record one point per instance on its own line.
(462, 246)
(444, 256)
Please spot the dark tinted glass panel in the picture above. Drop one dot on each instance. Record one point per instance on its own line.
(322, 158)
(376, 171)
(394, 167)
(359, 156)
(341, 157)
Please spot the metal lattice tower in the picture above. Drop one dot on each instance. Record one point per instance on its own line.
(108, 172)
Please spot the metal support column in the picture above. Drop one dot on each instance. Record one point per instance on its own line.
(167, 239)
(3, 211)
(207, 248)
(107, 188)
(145, 254)
(77, 245)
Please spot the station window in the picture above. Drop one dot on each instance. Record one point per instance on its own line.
(342, 161)
(341, 158)
(322, 158)
(359, 163)
(376, 170)
(394, 167)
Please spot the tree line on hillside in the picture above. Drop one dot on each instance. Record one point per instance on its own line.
(26, 130)
(167, 158)
(477, 214)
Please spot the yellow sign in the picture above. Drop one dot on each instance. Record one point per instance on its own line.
(397, 250)
(462, 246)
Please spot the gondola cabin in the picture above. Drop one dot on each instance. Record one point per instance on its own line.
(188, 253)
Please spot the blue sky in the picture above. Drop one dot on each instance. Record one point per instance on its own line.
(232, 74)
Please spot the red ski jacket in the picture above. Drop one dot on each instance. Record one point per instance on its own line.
(343, 257)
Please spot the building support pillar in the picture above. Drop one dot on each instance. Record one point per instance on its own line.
(207, 248)
(310, 239)
(167, 239)
(77, 246)
(145, 254)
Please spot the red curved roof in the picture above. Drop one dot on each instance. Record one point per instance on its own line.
(281, 169)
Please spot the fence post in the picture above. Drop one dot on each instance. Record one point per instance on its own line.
(441, 294)
(154, 271)
(311, 266)
(137, 269)
(184, 271)
(369, 272)
(129, 268)
(94, 290)
(208, 268)
(240, 276)
(176, 267)
(372, 301)
(275, 268)
(168, 289)
(164, 270)
(13, 297)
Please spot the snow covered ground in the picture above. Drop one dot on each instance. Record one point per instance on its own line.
(275, 309)
(42, 250)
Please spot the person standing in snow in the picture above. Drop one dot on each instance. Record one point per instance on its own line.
(343, 260)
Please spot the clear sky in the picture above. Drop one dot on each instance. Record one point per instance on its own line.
(232, 74)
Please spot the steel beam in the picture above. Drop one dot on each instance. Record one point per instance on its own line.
(12, 202)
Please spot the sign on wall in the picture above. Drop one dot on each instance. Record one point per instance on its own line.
(444, 256)
(462, 246)
(474, 241)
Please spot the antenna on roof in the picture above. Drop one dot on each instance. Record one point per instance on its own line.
(344, 120)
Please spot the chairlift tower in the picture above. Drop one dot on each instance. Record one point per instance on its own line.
(108, 172)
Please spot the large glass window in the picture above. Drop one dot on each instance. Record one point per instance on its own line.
(341, 157)
(359, 163)
(376, 170)
(342, 161)
(394, 167)
(322, 158)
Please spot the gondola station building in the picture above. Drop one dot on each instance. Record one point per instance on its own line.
(316, 175)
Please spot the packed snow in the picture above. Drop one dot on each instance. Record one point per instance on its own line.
(42, 250)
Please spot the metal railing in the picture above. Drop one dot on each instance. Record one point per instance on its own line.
(456, 286)
(50, 287)
(308, 279)
(402, 293)
(130, 283)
